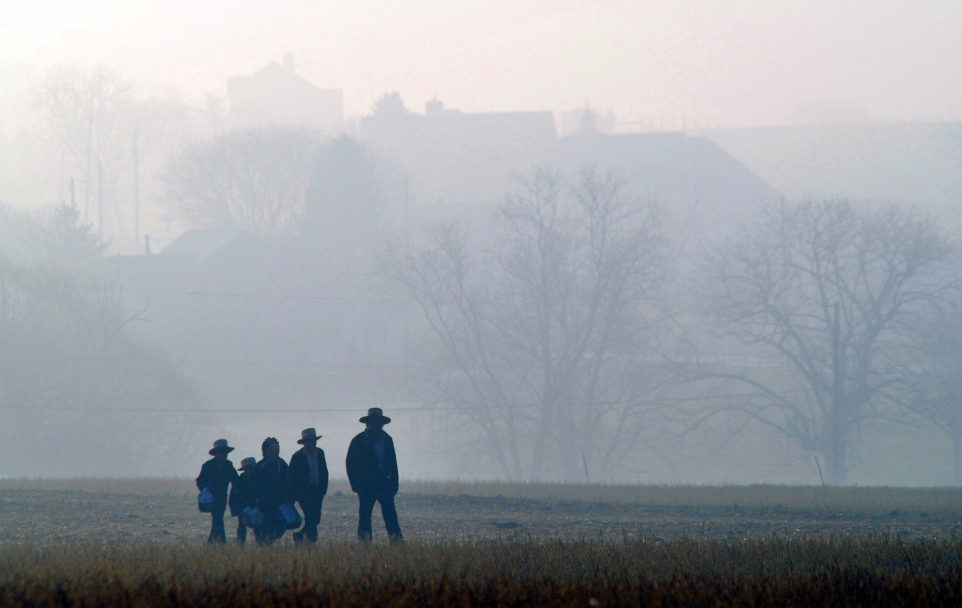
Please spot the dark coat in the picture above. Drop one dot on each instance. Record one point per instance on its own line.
(241, 493)
(216, 475)
(301, 474)
(272, 486)
(366, 475)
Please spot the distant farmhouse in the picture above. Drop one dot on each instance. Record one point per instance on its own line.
(276, 95)
(465, 164)
(445, 162)
(450, 157)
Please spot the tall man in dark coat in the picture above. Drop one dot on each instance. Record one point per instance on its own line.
(215, 475)
(272, 487)
(309, 483)
(372, 471)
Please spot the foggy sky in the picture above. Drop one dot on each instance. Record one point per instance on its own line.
(686, 63)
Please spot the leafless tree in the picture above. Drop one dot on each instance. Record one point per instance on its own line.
(84, 110)
(110, 139)
(827, 290)
(544, 324)
(253, 179)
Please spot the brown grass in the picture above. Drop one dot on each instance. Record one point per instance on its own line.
(108, 542)
(878, 571)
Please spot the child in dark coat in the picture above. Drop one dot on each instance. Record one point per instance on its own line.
(215, 476)
(242, 496)
(272, 487)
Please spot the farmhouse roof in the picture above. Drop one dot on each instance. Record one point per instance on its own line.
(702, 189)
(276, 95)
(203, 244)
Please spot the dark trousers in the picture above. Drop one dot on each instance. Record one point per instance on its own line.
(312, 518)
(268, 532)
(388, 511)
(241, 530)
(272, 529)
(217, 532)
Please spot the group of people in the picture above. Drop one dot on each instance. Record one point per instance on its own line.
(260, 493)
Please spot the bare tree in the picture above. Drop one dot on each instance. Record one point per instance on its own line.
(253, 179)
(544, 324)
(109, 139)
(85, 113)
(826, 289)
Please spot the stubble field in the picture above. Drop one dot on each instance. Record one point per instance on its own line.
(141, 543)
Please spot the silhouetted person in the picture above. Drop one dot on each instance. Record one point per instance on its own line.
(242, 496)
(272, 487)
(215, 475)
(309, 483)
(372, 471)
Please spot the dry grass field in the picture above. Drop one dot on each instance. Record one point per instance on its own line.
(141, 543)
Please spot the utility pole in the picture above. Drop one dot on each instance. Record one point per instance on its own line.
(88, 157)
(63, 154)
(136, 191)
(100, 196)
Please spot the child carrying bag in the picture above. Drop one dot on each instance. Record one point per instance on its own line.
(252, 517)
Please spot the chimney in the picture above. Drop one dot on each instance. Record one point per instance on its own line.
(434, 107)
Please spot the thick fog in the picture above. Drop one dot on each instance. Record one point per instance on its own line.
(704, 243)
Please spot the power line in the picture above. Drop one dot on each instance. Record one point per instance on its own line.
(330, 366)
(441, 408)
(189, 410)
(259, 296)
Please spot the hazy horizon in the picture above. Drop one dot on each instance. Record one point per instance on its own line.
(698, 64)
(550, 328)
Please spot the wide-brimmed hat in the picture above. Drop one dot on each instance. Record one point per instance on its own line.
(220, 446)
(375, 414)
(309, 435)
(248, 463)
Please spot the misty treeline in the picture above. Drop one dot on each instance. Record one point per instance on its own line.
(279, 181)
(559, 336)
(109, 143)
(110, 150)
(566, 337)
(72, 377)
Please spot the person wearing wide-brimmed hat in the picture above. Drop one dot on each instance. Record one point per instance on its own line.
(309, 479)
(242, 496)
(372, 471)
(215, 475)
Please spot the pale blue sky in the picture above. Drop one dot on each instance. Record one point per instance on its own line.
(731, 63)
